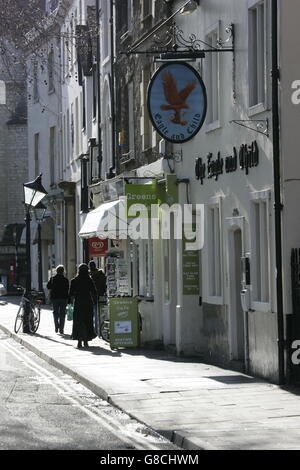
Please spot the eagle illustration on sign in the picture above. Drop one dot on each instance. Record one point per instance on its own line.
(177, 87)
(175, 98)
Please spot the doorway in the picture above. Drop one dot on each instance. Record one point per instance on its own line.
(236, 314)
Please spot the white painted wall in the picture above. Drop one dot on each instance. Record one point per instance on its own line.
(290, 115)
(44, 113)
(233, 189)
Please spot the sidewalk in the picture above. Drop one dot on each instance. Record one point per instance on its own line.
(195, 405)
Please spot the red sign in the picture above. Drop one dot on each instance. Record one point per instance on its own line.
(97, 247)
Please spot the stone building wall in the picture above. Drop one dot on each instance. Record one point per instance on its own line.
(13, 161)
(128, 69)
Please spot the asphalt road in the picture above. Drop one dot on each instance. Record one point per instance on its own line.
(43, 409)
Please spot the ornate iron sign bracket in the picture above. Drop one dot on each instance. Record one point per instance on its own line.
(262, 125)
(173, 42)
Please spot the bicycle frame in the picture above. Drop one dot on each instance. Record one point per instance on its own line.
(34, 309)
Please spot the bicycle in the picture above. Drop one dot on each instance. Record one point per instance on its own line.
(103, 329)
(34, 311)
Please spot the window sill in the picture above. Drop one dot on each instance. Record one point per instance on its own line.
(263, 307)
(215, 300)
(212, 126)
(257, 109)
(144, 298)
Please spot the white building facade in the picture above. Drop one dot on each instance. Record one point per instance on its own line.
(228, 167)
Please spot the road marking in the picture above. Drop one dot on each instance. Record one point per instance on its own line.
(106, 421)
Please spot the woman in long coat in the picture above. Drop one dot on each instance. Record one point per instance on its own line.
(83, 289)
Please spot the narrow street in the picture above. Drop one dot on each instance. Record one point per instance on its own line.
(43, 409)
(149, 228)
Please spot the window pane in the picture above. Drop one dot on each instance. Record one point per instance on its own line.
(212, 79)
(256, 55)
(257, 252)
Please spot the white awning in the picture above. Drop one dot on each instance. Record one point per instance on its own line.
(106, 221)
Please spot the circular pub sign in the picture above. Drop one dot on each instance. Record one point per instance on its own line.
(177, 102)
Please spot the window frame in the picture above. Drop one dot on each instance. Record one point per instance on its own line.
(263, 105)
(36, 146)
(143, 272)
(146, 128)
(208, 70)
(2, 92)
(217, 252)
(258, 304)
(35, 86)
(51, 87)
(52, 155)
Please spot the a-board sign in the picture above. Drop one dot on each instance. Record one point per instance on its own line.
(124, 322)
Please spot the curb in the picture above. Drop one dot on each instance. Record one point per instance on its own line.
(174, 437)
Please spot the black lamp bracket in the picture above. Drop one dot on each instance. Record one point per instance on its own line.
(261, 125)
(175, 156)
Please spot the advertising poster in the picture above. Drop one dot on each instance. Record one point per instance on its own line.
(124, 325)
(97, 247)
(190, 264)
(190, 270)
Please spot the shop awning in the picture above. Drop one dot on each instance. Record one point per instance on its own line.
(106, 221)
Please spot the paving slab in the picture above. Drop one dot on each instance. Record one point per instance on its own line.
(195, 405)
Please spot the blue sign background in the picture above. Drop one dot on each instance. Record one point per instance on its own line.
(177, 102)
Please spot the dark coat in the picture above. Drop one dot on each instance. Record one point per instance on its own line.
(83, 289)
(99, 279)
(58, 286)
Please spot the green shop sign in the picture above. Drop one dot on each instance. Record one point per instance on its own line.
(190, 274)
(148, 194)
(190, 270)
(124, 322)
(145, 194)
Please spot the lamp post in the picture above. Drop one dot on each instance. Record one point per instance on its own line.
(34, 192)
(39, 212)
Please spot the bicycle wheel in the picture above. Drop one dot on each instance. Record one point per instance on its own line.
(104, 331)
(34, 318)
(19, 319)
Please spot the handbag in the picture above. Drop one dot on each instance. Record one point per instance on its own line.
(69, 310)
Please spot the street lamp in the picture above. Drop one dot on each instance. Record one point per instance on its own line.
(34, 192)
(189, 7)
(39, 212)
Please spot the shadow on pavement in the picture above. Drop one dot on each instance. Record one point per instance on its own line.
(97, 350)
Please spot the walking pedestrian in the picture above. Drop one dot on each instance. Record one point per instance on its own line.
(83, 290)
(59, 293)
(99, 279)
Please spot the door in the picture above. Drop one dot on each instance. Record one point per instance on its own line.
(236, 313)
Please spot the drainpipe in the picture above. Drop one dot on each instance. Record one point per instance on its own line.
(112, 82)
(277, 192)
(100, 156)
